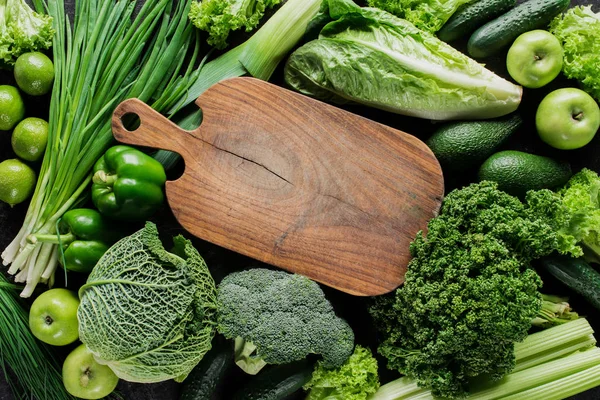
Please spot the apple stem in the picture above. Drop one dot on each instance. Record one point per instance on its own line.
(85, 378)
(578, 116)
(49, 320)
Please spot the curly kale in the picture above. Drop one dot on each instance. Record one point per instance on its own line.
(277, 318)
(356, 379)
(22, 30)
(220, 17)
(469, 293)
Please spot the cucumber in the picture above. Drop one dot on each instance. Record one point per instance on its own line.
(276, 382)
(576, 274)
(471, 16)
(460, 146)
(502, 31)
(202, 382)
(517, 172)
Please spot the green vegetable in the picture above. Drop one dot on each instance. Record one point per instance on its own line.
(576, 274)
(459, 146)
(128, 184)
(220, 17)
(469, 293)
(502, 32)
(581, 214)
(146, 313)
(202, 382)
(37, 373)
(105, 57)
(278, 318)
(517, 172)
(428, 15)
(277, 382)
(22, 30)
(554, 311)
(371, 57)
(578, 30)
(542, 360)
(356, 379)
(86, 236)
(471, 16)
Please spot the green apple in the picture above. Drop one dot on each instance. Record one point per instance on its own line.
(535, 59)
(85, 378)
(53, 317)
(567, 119)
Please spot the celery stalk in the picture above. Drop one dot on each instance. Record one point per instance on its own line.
(562, 388)
(397, 390)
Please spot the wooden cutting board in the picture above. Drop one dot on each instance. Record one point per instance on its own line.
(297, 183)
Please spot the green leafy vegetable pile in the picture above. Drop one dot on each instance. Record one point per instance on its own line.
(148, 314)
(368, 56)
(429, 15)
(356, 379)
(581, 211)
(469, 293)
(578, 30)
(22, 30)
(220, 17)
(278, 318)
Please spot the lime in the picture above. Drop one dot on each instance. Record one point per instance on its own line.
(34, 73)
(17, 181)
(12, 108)
(29, 139)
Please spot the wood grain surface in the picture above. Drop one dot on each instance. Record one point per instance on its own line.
(297, 183)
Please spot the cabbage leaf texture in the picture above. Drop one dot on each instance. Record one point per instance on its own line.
(368, 56)
(146, 313)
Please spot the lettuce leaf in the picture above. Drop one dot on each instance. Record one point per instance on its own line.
(579, 32)
(428, 15)
(370, 57)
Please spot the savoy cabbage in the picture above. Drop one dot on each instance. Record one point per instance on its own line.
(148, 314)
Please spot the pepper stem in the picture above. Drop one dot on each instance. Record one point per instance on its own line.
(54, 239)
(104, 179)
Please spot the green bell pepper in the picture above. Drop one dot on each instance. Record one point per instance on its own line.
(85, 236)
(128, 184)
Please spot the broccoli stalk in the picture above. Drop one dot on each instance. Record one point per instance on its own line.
(22, 30)
(278, 318)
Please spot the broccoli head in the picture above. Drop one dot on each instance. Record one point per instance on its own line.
(469, 293)
(277, 318)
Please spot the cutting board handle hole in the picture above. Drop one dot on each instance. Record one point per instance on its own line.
(131, 121)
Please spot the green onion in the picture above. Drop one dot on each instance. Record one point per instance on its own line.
(35, 371)
(108, 56)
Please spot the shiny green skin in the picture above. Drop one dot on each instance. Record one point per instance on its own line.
(128, 184)
(93, 237)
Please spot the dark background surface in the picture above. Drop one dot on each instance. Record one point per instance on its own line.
(222, 262)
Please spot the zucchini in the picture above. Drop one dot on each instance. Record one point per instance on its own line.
(576, 274)
(276, 382)
(459, 146)
(471, 16)
(202, 382)
(501, 32)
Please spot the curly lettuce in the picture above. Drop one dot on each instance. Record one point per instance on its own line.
(148, 314)
(22, 30)
(579, 31)
(356, 379)
(220, 17)
(428, 15)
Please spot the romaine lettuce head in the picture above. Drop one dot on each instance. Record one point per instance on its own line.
(146, 313)
(370, 57)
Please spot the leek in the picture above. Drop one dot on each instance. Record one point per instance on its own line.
(108, 56)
